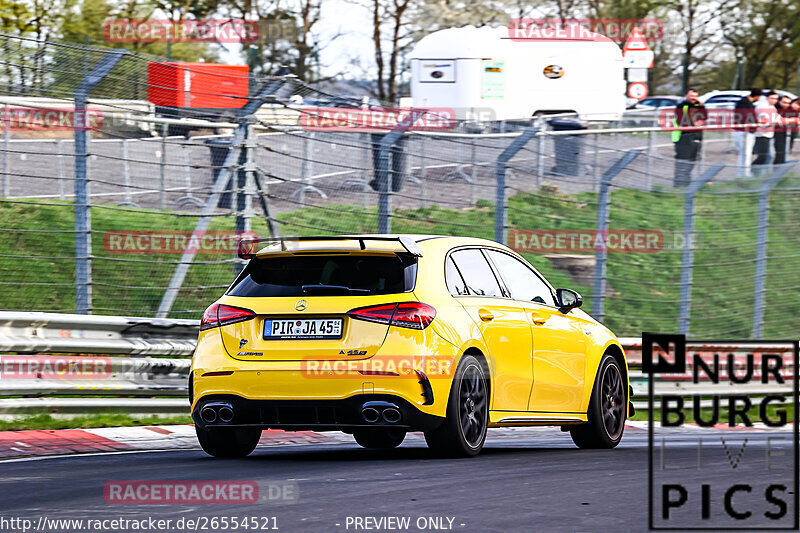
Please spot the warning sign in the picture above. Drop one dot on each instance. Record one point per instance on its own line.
(636, 41)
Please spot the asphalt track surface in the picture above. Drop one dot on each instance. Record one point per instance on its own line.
(531, 483)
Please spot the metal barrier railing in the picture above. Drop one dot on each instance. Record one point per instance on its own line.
(146, 373)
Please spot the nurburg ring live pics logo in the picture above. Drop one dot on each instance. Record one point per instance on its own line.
(723, 433)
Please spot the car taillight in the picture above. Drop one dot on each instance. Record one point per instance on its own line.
(382, 314)
(414, 315)
(221, 315)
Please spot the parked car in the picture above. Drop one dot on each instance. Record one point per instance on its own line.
(645, 112)
(655, 102)
(379, 335)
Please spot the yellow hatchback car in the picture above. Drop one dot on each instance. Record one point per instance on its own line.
(378, 335)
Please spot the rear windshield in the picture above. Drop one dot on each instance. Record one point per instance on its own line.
(326, 275)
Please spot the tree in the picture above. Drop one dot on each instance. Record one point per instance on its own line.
(286, 34)
(766, 34)
(15, 20)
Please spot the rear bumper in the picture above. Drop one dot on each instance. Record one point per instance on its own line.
(317, 415)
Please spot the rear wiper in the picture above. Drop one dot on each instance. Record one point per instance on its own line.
(332, 289)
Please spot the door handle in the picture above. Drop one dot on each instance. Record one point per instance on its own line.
(538, 319)
(485, 315)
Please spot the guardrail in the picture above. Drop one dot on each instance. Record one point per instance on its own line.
(149, 359)
(149, 364)
(92, 334)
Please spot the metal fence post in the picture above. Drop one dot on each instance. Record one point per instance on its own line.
(250, 167)
(500, 210)
(761, 245)
(83, 244)
(384, 179)
(162, 182)
(596, 171)
(473, 174)
(648, 183)
(305, 163)
(422, 170)
(540, 157)
(126, 174)
(6, 176)
(244, 207)
(60, 168)
(366, 139)
(602, 225)
(307, 171)
(687, 258)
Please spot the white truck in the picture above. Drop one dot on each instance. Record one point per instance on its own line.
(484, 74)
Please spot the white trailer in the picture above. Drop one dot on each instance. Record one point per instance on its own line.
(485, 75)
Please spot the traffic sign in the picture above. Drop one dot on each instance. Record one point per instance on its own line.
(638, 59)
(637, 90)
(636, 41)
(637, 74)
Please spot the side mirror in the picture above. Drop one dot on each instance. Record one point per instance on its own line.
(568, 299)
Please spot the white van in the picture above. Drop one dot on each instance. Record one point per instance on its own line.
(485, 75)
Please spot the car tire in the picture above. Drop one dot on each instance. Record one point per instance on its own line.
(463, 431)
(607, 409)
(228, 442)
(379, 438)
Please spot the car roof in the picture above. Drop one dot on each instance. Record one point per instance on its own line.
(433, 241)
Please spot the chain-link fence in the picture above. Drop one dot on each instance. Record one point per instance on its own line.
(98, 216)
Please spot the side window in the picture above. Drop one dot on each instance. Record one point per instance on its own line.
(478, 276)
(523, 283)
(453, 279)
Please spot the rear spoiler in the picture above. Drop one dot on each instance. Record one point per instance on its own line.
(248, 248)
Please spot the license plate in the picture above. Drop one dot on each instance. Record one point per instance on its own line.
(303, 328)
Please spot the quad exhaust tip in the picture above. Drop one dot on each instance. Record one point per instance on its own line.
(370, 414)
(225, 413)
(208, 414)
(391, 415)
(217, 411)
(373, 412)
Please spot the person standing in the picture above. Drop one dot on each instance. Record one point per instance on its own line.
(690, 115)
(783, 128)
(765, 113)
(744, 134)
(794, 111)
